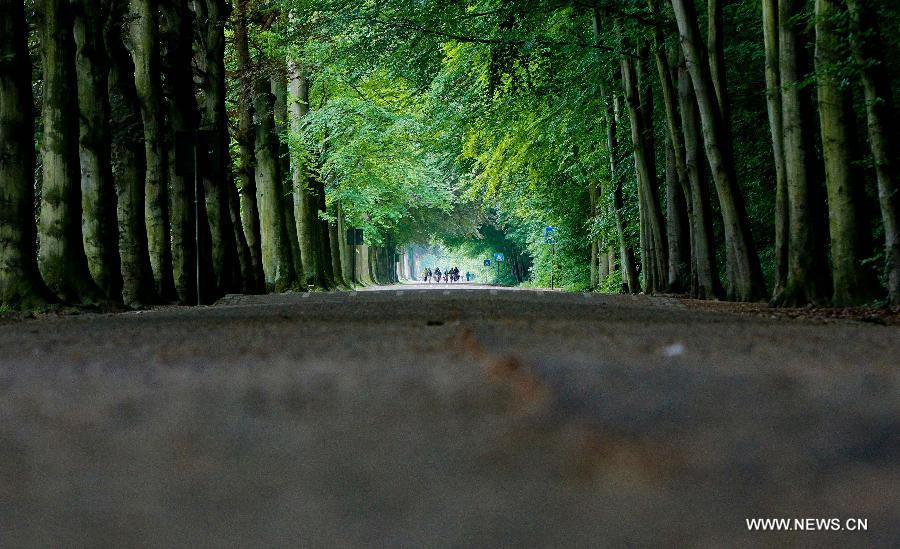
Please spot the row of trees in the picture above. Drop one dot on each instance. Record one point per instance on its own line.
(739, 150)
(138, 200)
(637, 126)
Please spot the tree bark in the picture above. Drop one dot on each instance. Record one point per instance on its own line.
(304, 202)
(246, 138)
(188, 217)
(867, 42)
(98, 194)
(677, 227)
(654, 246)
(705, 283)
(776, 124)
(807, 264)
(745, 274)
(280, 91)
(278, 261)
(853, 283)
(21, 286)
(715, 40)
(630, 280)
(144, 31)
(595, 279)
(61, 256)
(323, 234)
(210, 62)
(334, 240)
(128, 164)
(345, 249)
(629, 270)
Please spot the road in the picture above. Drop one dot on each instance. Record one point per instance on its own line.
(444, 416)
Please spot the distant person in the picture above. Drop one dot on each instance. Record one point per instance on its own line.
(468, 276)
(427, 275)
(437, 275)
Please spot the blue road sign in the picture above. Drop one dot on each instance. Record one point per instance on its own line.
(487, 262)
(550, 235)
(499, 257)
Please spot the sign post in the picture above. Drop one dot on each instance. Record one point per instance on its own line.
(499, 258)
(198, 155)
(550, 238)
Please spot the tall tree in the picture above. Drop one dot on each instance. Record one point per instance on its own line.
(280, 91)
(677, 228)
(853, 282)
(807, 277)
(705, 282)
(192, 240)
(211, 16)
(144, 44)
(776, 124)
(98, 194)
(128, 163)
(745, 274)
(630, 278)
(305, 205)
(654, 247)
(246, 138)
(278, 262)
(21, 286)
(62, 260)
(868, 45)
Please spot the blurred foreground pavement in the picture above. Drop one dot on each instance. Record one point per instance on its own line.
(444, 416)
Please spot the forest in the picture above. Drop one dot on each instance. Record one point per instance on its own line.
(174, 151)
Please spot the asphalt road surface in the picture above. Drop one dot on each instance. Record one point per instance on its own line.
(445, 416)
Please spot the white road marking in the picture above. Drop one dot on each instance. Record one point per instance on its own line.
(306, 294)
(398, 292)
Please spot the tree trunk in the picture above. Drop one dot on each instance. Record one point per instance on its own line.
(745, 275)
(246, 138)
(807, 264)
(853, 283)
(705, 282)
(334, 240)
(630, 280)
(629, 270)
(869, 51)
(677, 227)
(595, 279)
(210, 63)
(304, 203)
(62, 260)
(411, 257)
(98, 193)
(716, 51)
(188, 219)
(278, 261)
(322, 233)
(128, 164)
(280, 91)
(773, 103)
(144, 31)
(345, 249)
(21, 286)
(654, 246)
(680, 267)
